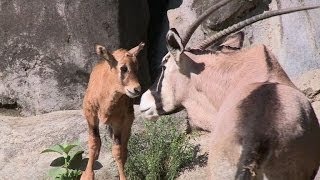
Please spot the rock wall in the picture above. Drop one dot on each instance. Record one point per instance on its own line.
(293, 38)
(47, 53)
(47, 49)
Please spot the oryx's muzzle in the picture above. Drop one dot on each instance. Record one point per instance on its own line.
(148, 105)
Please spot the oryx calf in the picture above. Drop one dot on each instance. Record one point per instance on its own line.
(108, 99)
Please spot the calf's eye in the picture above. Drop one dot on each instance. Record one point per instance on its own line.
(124, 69)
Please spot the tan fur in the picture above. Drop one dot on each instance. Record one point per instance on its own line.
(226, 81)
(223, 73)
(262, 126)
(106, 100)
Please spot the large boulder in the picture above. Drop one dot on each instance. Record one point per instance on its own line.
(23, 139)
(293, 38)
(47, 48)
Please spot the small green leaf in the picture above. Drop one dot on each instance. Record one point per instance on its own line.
(75, 160)
(56, 148)
(58, 162)
(68, 147)
(96, 164)
(56, 172)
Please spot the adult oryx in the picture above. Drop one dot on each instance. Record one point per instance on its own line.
(263, 127)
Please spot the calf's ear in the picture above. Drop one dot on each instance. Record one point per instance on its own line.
(174, 43)
(135, 51)
(106, 55)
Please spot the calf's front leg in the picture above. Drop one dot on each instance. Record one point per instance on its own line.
(117, 154)
(94, 144)
(120, 143)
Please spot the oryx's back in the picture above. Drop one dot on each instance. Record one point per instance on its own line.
(272, 132)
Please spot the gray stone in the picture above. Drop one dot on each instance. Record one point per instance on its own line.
(47, 49)
(23, 139)
(293, 38)
(232, 13)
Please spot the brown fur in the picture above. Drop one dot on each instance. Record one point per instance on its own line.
(106, 100)
(262, 126)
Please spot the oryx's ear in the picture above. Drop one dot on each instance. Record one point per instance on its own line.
(232, 42)
(174, 43)
(135, 51)
(106, 55)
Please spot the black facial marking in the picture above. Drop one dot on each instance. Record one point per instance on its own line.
(172, 43)
(156, 93)
(124, 70)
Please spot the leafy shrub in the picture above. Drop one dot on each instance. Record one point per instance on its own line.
(159, 152)
(67, 166)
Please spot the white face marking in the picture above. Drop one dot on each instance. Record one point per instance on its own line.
(160, 98)
(131, 94)
(148, 105)
(168, 83)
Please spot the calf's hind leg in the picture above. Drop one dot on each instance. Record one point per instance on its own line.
(94, 143)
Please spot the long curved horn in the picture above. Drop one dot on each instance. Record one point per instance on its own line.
(252, 20)
(205, 15)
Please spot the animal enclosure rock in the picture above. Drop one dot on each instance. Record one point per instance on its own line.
(47, 49)
(293, 38)
(23, 139)
(232, 13)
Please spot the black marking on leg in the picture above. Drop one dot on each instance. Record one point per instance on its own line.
(116, 139)
(95, 131)
(109, 130)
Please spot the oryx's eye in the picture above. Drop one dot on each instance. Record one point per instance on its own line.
(164, 62)
(124, 69)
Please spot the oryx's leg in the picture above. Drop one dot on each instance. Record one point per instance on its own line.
(94, 143)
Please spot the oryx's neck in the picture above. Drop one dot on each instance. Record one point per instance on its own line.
(227, 72)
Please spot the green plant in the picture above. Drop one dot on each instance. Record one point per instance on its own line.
(67, 166)
(160, 152)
